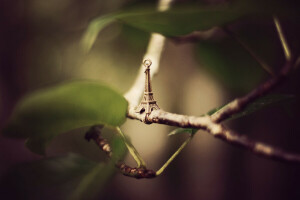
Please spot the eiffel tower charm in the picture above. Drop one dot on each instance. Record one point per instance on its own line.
(148, 104)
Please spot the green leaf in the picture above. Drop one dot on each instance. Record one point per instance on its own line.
(212, 111)
(44, 114)
(92, 183)
(191, 131)
(176, 21)
(230, 64)
(93, 30)
(184, 19)
(263, 102)
(71, 177)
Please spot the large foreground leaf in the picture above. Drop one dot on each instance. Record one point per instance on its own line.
(46, 113)
(185, 19)
(177, 21)
(66, 177)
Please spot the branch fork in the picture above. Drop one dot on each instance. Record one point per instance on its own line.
(212, 124)
(148, 111)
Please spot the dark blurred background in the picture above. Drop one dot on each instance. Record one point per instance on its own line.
(40, 46)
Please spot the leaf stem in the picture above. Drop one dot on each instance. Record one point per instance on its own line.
(285, 46)
(133, 152)
(161, 170)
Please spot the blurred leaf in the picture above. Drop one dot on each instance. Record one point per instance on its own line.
(92, 183)
(211, 112)
(230, 63)
(188, 18)
(93, 30)
(177, 21)
(262, 39)
(263, 102)
(184, 19)
(46, 113)
(63, 176)
(191, 131)
(137, 38)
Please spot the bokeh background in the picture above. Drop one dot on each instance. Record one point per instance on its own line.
(40, 47)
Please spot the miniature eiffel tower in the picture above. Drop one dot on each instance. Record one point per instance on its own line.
(148, 103)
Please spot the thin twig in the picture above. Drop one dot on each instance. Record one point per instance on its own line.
(133, 152)
(162, 169)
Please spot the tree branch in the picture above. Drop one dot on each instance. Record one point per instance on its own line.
(136, 172)
(212, 125)
(258, 148)
(218, 130)
(240, 103)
